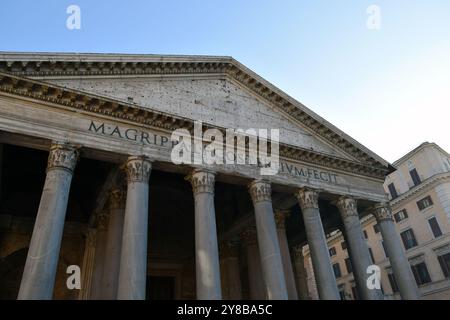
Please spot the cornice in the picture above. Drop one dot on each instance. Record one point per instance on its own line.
(41, 65)
(416, 150)
(78, 100)
(425, 185)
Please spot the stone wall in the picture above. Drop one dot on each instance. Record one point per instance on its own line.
(15, 235)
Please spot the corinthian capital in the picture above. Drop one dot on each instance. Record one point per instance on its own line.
(280, 217)
(202, 181)
(91, 237)
(298, 252)
(382, 212)
(308, 198)
(117, 198)
(260, 190)
(62, 155)
(347, 207)
(138, 169)
(101, 221)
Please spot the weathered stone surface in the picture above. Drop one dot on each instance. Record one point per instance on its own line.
(215, 101)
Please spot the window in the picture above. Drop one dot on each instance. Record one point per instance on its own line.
(421, 274)
(343, 245)
(415, 177)
(424, 203)
(337, 270)
(408, 238)
(365, 234)
(376, 228)
(434, 225)
(393, 282)
(444, 261)
(401, 215)
(371, 255)
(392, 191)
(348, 265)
(332, 251)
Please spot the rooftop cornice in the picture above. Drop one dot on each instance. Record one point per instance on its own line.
(48, 64)
(425, 185)
(416, 150)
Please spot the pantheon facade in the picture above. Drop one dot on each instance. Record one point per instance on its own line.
(87, 182)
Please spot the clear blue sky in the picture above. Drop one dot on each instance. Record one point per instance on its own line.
(387, 88)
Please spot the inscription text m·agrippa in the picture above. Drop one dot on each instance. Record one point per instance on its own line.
(130, 134)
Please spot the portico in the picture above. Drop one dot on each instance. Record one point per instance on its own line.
(155, 229)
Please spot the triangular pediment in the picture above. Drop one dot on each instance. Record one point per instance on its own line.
(214, 101)
(217, 90)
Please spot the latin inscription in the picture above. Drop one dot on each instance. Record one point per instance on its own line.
(130, 134)
(309, 173)
(147, 138)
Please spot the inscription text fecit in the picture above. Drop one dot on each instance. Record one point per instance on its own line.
(308, 173)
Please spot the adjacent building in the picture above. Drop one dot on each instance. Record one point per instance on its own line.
(419, 193)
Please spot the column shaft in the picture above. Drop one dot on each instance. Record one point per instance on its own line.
(229, 256)
(300, 273)
(101, 224)
(88, 265)
(323, 272)
(113, 245)
(269, 247)
(357, 248)
(254, 271)
(133, 260)
(40, 268)
(280, 219)
(206, 248)
(399, 263)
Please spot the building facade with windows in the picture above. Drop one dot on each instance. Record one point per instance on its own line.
(419, 193)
